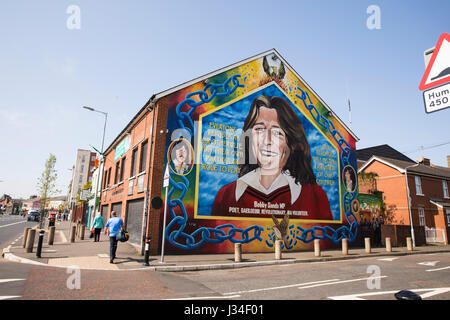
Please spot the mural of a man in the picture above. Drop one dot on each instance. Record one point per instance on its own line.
(349, 179)
(181, 157)
(278, 168)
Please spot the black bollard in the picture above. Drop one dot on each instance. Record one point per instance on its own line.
(147, 251)
(39, 246)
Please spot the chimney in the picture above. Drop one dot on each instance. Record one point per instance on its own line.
(448, 161)
(425, 161)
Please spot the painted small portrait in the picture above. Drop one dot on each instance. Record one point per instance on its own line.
(349, 178)
(275, 166)
(181, 156)
(355, 206)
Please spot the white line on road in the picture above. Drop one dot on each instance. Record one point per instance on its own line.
(429, 263)
(6, 225)
(387, 259)
(343, 281)
(10, 280)
(357, 296)
(438, 269)
(8, 297)
(281, 287)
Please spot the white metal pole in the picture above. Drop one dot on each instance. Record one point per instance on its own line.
(409, 205)
(164, 226)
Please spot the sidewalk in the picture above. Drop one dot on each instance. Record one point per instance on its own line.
(87, 254)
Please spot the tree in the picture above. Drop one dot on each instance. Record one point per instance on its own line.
(46, 184)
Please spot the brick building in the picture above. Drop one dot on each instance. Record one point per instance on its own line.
(428, 189)
(195, 117)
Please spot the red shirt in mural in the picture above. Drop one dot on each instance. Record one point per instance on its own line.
(246, 197)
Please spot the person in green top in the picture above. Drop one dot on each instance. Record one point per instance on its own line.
(97, 226)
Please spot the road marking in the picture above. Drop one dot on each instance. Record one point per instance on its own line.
(63, 236)
(6, 225)
(388, 259)
(357, 296)
(281, 287)
(343, 281)
(10, 280)
(428, 263)
(204, 298)
(8, 297)
(438, 269)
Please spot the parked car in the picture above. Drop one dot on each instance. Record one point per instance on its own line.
(33, 216)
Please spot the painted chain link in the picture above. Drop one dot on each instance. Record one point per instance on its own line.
(229, 231)
(210, 235)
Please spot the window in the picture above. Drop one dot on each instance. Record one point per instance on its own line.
(82, 168)
(81, 179)
(122, 169)
(116, 174)
(134, 156)
(105, 176)
(447, 211)
(143, 156)
(418, 185)
(421, 217)
(109, 177)
(90, 178)
(92, 158)
(445, 188)
(83, 158)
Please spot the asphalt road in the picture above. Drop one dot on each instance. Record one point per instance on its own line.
(365, 278)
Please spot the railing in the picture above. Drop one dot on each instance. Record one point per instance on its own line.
(434, 235)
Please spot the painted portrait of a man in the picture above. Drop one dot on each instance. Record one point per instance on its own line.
(276, 165)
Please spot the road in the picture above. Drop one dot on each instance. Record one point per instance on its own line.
(373, 278)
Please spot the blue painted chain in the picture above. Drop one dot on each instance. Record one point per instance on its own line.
(210, 235)
(327, 232)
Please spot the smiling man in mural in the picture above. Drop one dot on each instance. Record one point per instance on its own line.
(276, 174)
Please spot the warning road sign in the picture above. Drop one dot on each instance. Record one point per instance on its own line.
(438, 69)
(437, 98)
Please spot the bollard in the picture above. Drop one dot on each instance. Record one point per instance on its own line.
(51, 235)
(367, 244)
(345, 246)
(409, 245)
(82, 232)
(72, 233)
(147, 251)
(30, 240)
(39, 245)
(317, 247)
(237, 252)
(278, 249)
(25, 235)
(388, 245)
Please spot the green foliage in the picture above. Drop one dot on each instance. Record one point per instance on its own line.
(46, 186)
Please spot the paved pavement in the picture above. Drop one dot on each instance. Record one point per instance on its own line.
(87, 254)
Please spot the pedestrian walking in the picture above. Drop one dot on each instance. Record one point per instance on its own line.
(97, 226)
(113, 226)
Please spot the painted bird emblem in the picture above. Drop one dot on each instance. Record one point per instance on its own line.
(280, 228)
(274, 67)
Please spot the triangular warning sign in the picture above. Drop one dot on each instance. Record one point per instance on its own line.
(438, 69)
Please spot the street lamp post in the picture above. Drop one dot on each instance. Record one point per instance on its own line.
(101, 152)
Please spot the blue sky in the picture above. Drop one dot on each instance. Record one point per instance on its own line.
(125, 51)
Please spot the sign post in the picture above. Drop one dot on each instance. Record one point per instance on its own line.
(165, 185)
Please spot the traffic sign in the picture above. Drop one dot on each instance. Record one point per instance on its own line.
(437, 98)
(438, 69)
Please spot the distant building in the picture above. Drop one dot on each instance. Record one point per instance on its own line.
(82, 173)
(426, 184)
